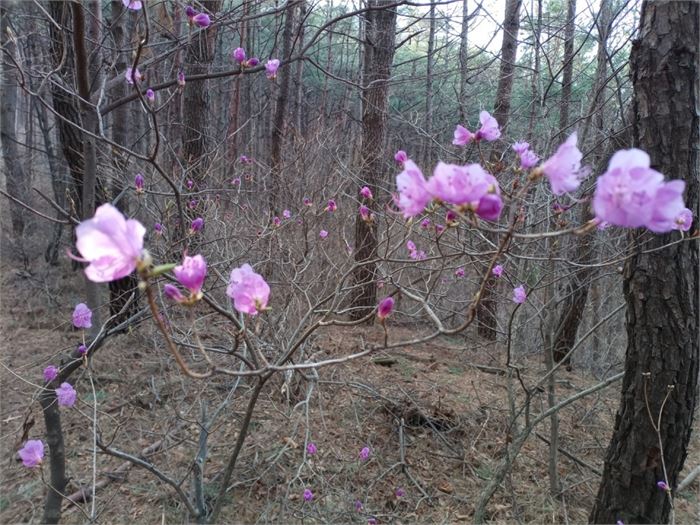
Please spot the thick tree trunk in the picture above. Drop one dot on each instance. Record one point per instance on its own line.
(198, 60)
(661, 286)
(486, 311)
(380, 29)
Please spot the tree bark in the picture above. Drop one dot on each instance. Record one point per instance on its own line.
(427, 141)
(15, 176)
(568, 67)
(378, 46)
(661, 287)
(486, 310)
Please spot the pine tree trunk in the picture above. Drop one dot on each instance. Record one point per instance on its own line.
(661, 286)
(380, 29)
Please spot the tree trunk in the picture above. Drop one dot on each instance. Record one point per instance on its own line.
(121, 289)
(280, 121)
(378, 46)
(661, 287)
(568, 67)
(198, 60)
(486, 311)
(427, 141)
(463, 58)
(15, 176)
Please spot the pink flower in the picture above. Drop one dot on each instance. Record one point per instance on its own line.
(239, 55)
(358, 505)
(201, 20)
(252, 62)
(366, 192)
(365, 213)
(276, 221)
(451, 217)
(308, 495)
(286, 214)
(410, 246)
(311, 448)
(528, 160)
(32, 453)
(519, 295)
(271, 67)
(150, 95)
(489, 127)
(497, 270)
(181, 79)
(400, 157)
(190, 11)
(384, 309)
(66, 395)
(173, 293)
(439, 228)
(82, 349)
(158, 228)
(413, 194)
(462, 136)
(110, 243)
(236, 181)
(82, 316)
(139, 182)
(399, 492)
(197, 225)
(462, 185)
(563, 169)
(189, 184)
(684, 220)
(425, 223)
(323, 234)
(50, 373)
(663, 486)
(490, 206)
(459, 272)
(625, 194)
(132, 77)
(191, 273)
(332, 206)
(249, 291)
(307, 202)
(668, 206)
(365, 452)
(520, 147)
(134, 5)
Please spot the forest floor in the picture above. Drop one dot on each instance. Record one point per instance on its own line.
(454, 429)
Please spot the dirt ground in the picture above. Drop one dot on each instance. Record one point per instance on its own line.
(454, 428)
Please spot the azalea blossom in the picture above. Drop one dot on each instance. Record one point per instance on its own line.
(411, 246)
(252, 62)
(663, 486)
(307, 201)
(459, 272)
(465, 186)
(497, 270)
(365, 213)
(631, 194)
(66, 395)
(239, 55)
(489, 129)
(563, 169)
(197, 225)
(384, 309)
(323, 234)
(365, 452)
(32, 453)
(150, 95)
(50, 373)
(111, 244)
(201, 20)
(286, 214)
(139, 182)
(132, 77)
(82, 316)
(489, 207)
(173, 293)
(311, 448)
(366, 192)
(82, 349)
(462, 136)
(190, 11)
(191, 273)
(249, 291)
(276, 221)
(519, 295)
(308, 495)
(425, 223)
(400, 157)
(158, 228)
(413, 194)
(271, 67)
(181, 78)
(134, 5)
(684, 220)
(331, 206)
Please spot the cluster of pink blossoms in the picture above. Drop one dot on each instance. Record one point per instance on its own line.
(468, 187)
